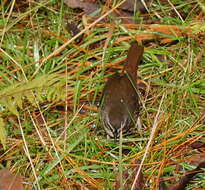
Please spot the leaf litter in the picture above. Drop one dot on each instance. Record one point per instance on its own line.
(10, 181)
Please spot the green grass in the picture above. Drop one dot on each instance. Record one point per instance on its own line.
(69, 150)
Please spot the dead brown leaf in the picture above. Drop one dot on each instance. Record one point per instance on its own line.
(87, 7)
(197, 145)
(125, 11)
(131, 6)
(195, 160)
(9, 181)
(90, 6)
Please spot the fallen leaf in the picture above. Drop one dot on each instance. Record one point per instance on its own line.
(9, 181)
(195, 160)
(132, 6)
(87, 7)
(125, 11)
(197, 145)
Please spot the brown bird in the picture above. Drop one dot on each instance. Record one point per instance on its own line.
(120, 104)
